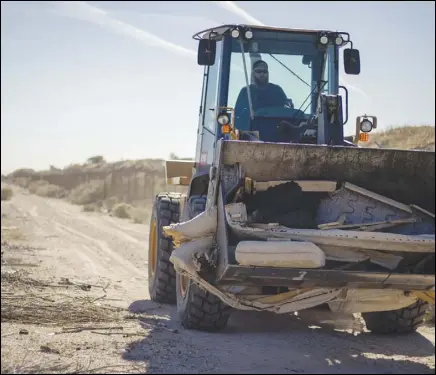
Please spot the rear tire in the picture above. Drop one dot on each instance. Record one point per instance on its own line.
(402, 321)
(161, 273)
(198, 309)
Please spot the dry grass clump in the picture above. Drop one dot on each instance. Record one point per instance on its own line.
(122, 210)
(88, 192)
(6, 194)
(127, 211)
(92, 207)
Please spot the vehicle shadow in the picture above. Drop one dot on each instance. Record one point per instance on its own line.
(256, 342)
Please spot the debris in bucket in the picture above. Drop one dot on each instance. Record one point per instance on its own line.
(285, 204)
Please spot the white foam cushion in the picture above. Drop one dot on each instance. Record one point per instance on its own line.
(286, 254)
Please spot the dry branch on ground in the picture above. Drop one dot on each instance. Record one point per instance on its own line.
(22, 303)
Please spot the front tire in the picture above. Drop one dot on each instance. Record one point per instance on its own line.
(402, 321)
(161, 273)
(197, 308)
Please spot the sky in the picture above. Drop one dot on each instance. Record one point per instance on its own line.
(120, 79)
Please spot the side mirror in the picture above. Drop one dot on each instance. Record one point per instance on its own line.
(206, 52)
(352, 61)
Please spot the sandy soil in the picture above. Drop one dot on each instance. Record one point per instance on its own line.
(52, 240)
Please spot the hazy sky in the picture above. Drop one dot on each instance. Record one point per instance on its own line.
(120, 79)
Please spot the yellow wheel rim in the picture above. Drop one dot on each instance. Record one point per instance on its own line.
(183, 285)
(152, 249)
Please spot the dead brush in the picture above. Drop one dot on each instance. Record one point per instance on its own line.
(60, 367)
(40, 310)
(6, 194)
(29, 368)
(21, 304)
(10, 234)
(12, 281)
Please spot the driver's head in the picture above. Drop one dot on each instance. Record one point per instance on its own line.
(260, 73)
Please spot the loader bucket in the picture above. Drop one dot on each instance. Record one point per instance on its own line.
(402, 175)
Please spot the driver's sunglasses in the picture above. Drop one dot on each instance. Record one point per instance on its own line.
(260, 71)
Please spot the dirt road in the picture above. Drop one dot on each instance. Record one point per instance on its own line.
(58, 240)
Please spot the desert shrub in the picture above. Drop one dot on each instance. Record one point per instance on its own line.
(122, 210)
(6, 193)
(89, 192)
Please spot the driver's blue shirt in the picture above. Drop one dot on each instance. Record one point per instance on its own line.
(270, 96)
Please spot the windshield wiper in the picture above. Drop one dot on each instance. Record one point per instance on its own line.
(295, 74)
(320, 84)
(307, 84)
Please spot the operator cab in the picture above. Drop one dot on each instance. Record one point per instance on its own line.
(271, 84)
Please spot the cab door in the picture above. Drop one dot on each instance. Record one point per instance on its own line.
(207, 129)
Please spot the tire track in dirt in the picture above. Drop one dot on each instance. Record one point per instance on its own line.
(98, 223)
(85, 244)
(103, 222)
(102, 245)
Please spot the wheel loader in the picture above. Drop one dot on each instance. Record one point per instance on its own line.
(283, 212)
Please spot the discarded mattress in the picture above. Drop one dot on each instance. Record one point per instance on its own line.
(288, 254)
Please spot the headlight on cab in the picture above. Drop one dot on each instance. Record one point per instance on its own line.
(364, 125)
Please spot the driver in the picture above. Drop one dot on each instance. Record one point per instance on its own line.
(263, 93)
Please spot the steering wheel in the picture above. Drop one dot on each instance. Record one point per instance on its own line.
(289, 126)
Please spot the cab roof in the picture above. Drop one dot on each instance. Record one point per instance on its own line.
(221, 29)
